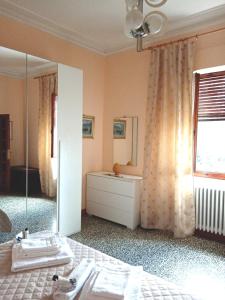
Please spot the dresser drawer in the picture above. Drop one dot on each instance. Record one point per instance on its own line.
(111, 214)
(116, 186)
(111, 200)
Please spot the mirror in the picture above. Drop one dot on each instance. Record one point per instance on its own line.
(125, 139)
(13, 150)
(41, 144)
(23, 198)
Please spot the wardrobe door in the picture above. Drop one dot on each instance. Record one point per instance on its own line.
(70, 103)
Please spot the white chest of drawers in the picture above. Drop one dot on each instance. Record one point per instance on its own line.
(114, 198)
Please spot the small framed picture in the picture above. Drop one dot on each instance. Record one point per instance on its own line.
(88, 126)
(119, 129)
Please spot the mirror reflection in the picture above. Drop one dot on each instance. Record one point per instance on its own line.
(125, 136)
(27, 182)
(41, 143)
(12, 141)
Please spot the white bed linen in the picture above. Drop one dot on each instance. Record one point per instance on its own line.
(37, 284)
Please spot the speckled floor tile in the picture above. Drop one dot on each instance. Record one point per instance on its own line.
(193, 263)
(41, 214)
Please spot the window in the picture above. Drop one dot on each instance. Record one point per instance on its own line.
(209, 134)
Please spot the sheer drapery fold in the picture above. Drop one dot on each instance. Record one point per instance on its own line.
(47, 89)
(167, 198)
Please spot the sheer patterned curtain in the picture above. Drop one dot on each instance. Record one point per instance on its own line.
(47, 88)
(167, 198)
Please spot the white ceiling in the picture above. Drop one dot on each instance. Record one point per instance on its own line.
(13, 63)
(98, 24)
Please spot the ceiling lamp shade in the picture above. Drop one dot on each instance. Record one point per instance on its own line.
(138, 27)
(134, 20)
(131, 4)
(155, 3)
(156, 22)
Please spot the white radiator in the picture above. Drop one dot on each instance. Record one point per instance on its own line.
(210, 210)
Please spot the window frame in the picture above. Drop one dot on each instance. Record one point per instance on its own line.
(212, 175)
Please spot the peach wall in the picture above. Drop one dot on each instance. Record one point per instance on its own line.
(126, 89)
(12, 103)
(126, 94)
(27, 39)
(114, 86)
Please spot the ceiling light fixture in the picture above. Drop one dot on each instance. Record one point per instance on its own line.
(137, 26)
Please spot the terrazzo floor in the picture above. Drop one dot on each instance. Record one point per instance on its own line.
(196, 264)
(41, 214)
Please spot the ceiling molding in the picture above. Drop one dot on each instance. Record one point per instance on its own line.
(18, 13)
(191, 24)
(33, 71)
(42, 69)
(11, 73)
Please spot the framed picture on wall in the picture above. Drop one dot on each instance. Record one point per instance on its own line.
(88, 126)
(119, 129)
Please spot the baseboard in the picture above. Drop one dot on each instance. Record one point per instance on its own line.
(210, 236)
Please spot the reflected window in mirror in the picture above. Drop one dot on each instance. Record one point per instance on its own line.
(125, 138)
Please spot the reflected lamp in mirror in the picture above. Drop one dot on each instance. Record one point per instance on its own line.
(125, 136)
(88, 126)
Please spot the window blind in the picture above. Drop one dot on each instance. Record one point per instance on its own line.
(211, 97)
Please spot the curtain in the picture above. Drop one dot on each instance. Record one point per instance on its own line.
(47, 89)
(167, 199)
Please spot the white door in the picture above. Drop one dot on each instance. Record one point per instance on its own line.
(69, 107)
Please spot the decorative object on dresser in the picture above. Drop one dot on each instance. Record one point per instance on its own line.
(114, 198)
(116, 169)
(88, 126)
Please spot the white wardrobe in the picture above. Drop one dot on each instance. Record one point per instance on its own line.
(70, 103)
(22, 89)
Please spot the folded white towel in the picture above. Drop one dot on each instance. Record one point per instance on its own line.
(111, 282)
(41, 244)
(20, 264)
(81, 273)
(39, 247)
(107, 283)
(32, 254)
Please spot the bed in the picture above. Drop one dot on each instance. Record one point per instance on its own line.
(37, 284)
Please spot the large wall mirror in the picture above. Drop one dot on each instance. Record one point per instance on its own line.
(12, 137)
(32, 101)
(125, 140)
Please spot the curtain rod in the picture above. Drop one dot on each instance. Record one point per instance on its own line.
(37, 77)
(184, 39)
